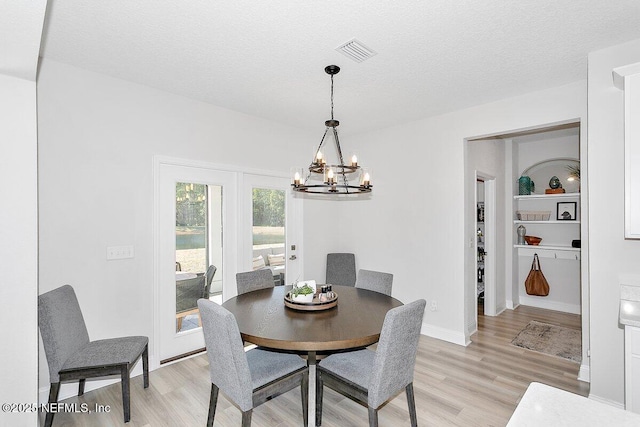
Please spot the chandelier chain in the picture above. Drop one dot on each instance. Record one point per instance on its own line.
(331, 96)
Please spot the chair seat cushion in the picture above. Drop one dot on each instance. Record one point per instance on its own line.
(355, 366)
(266, 366)
(109, 352)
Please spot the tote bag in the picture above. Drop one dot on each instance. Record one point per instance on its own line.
(536, 284)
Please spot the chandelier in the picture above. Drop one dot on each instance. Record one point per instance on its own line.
(337, 178)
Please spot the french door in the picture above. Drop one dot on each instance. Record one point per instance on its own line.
(196, 231)
(272, 227)
(213, 216)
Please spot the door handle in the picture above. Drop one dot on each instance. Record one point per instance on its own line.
(293, 257)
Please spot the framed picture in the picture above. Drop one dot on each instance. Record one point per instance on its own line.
(566, 211)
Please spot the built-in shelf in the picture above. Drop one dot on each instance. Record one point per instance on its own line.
(548, 196)
(549, 247)
(518, 221)
(556, 252)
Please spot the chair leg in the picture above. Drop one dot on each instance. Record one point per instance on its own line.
(319, 390)
(246, 418)
(179, 324)
(213, 401)
(126, 396)
(81, 387)
(145, 366)
(53, 398)
(411, 400)
(373, 417)
(304, 393)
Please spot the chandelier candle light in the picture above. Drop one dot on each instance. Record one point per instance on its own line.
(338, 178)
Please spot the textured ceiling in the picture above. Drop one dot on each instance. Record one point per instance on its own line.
(266, 58)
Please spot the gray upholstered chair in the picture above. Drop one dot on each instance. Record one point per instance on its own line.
(341, 269)
(246, 379)
(211, 271)
(188, 292)
(70, 354)
(372, 377)
(254, 280)
(375, 281)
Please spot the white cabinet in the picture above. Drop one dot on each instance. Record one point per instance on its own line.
(630, 318)
(632, 368)
(557, 234)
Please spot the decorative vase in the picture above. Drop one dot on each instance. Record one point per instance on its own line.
(524, 186)
(522, 231)
(303, 298)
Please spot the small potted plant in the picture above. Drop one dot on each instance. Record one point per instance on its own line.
(302, 293)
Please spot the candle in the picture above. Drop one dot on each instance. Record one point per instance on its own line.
(367, 180)
(354, 161)
(296, 178)
(319, 158)
(330, 176)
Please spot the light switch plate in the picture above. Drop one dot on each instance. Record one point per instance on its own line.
(119, 252)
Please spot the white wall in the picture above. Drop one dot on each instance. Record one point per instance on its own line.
(18, 247)
(98, 136)
(414, 225)
(20, 32)
(610, 254)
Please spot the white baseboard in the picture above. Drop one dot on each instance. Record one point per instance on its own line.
(607, 401)
(584, 374)
(68, 390)
(550, 305)
(443, 334)
(511, 305)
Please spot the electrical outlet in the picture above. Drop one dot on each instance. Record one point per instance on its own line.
(434, 305)
(119, 252)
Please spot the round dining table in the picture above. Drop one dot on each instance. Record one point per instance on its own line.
(355, 322)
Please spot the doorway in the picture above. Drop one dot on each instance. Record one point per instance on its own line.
(485, 245)
(507, 156)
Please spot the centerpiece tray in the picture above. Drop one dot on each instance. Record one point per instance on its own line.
(314, 305)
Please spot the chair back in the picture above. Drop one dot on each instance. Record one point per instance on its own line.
(228, 364)
(254, 280)
(396, 352)
(61, 326)
(211, 271)
(188, 292)
(341, 269)
(375, 281)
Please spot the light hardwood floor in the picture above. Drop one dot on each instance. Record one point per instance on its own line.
(478, 385)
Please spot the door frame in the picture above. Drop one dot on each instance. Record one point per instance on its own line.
(234, 263)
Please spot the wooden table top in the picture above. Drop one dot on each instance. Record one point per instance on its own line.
(355, 322)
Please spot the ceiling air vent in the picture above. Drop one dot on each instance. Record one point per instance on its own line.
(355, 50)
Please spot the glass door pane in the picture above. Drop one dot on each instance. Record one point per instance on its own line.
(268, 232)
(198, 236)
